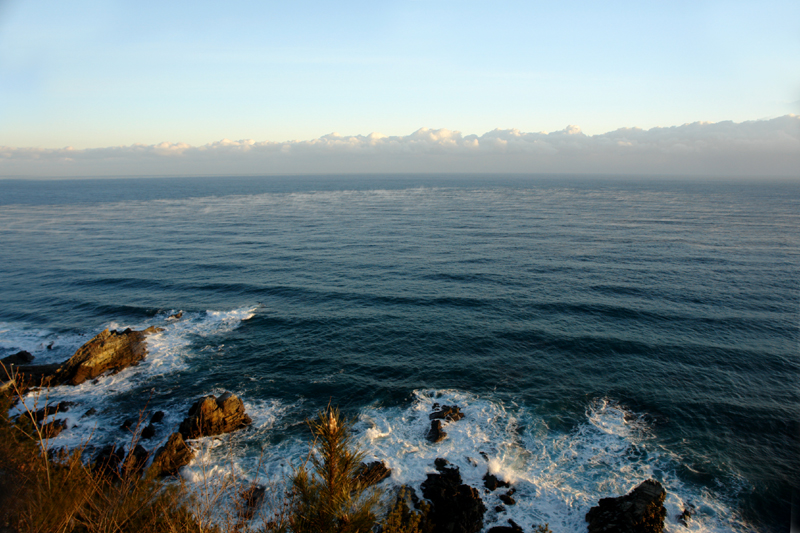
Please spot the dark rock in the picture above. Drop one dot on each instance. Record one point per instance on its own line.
(251, 499)
(37, 374)
(128, 424)
(499, 509)
(436, 433)
(514, 528)
(135, 461)
(172, 456)
(19, 358)
(451, 413)
(108, 351)
(176, 316)
(53, 428)
(686, 515)
(214, 416)
(507, 499)
(491, 482)
(456, 507)
(372, 473)
(89, 413)
(157, 417)
(108, 460)
(440, 464)
(485, 457)
(640, 511)
(149, 432)
(48, 410)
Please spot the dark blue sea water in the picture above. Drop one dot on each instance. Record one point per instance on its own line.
(595, 331)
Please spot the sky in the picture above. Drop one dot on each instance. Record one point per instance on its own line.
(92, 75)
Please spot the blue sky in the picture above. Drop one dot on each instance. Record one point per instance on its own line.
(93, 74)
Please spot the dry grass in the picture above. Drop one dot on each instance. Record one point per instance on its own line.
(48, 491)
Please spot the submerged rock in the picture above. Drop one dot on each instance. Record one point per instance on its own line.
(172, 456)
(640, 511)
(513, 527)
(250, 500)
(214, 416)
(108, 351)
(456, 507)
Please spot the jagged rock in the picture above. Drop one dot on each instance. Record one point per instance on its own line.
(107, 351)
(214, 416)
(456, 507)
(507, 499)
(157, 417)
(90, 412)
(53, 428)
(686, 515)
(436, 433)
(251, 500)
(135, 461)
(451, 413)
(149, 432)
(128, 424)
(491, 482)
(36, 374)
(514, 528)
(499, 509)
(176, 316)
(372, 473)
(48, 410)
(19, 358)
(640, 511)
(108, 460)
(172, 456)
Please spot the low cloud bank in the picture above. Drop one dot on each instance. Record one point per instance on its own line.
(755, 148)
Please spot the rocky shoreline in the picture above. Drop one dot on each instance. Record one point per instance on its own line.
(454, 507)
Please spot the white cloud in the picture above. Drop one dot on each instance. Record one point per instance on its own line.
(755, 148)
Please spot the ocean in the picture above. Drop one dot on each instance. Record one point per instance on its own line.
(596, 331)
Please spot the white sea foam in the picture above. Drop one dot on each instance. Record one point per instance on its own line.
(558, 475)
(168, 351)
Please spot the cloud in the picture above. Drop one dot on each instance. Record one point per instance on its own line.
(755, 148)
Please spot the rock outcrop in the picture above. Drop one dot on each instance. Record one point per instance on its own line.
(451, 413)
(640, 511)
(108, 351)
(513, 527)
(214, 416)
(492, 482)
(372, 473)
(436, 433)
(456, 507)
(19, 358)
(172, 456)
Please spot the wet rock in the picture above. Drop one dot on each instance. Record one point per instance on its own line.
(513, 527)
(90, 412)
(507, 499)
(456, 507)
(436, 432)
(48, 410)
(176, 316)
(491, 482)
(108, 460)
(499, 509)
(149, 432)
(53, 429)
(157, 417)
(36, 375)
(640, 511)
(214, 416)
(686, 515)
(172, 456)
(251, 499)
(128, 423)
(451, 413)
(108, 351)
(372, 473)
(135, 461)
(19, 358)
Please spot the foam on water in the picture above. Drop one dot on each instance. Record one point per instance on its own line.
(558, 475)
(168, 351)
